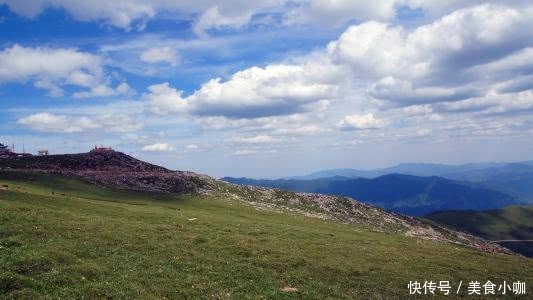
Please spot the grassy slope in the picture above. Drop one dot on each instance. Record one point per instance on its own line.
(95, 242)
(510, 223)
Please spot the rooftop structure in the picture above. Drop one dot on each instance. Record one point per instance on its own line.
(43, 152)
(101, 148)
(5, 151)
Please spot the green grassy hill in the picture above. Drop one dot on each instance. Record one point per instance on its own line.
(65, 238)
(510, 223)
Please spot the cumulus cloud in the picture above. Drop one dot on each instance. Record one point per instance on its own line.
(53, 68)
(160, 55)
(251, 93)
(50, 122)
(213, 18)
(125, 13)
(57, 123)
(476, 59)
(361, 122)
(211, 14)
(158, 147)
(339, 12)
(461, 56)
(444, 61)
(463, 39)
(163, 99)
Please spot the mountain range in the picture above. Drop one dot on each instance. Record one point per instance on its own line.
(416, 169)
(407, 194)
(515, 178)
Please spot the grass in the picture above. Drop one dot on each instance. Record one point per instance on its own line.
(63, 238)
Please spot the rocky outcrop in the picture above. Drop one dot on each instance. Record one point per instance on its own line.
(349, 211)
(165, 182)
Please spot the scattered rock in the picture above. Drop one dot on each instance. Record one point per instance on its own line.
(289, 289)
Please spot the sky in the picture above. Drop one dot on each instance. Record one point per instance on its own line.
(270, 88)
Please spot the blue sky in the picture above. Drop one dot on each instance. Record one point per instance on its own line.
(270, 88)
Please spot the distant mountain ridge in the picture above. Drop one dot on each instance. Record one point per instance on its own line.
(416, 169)
(515, 179)
(412, 195)
(511, 223)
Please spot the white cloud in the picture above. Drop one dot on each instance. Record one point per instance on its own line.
(302, 129)
(63, 123)
(250, 152)
(53, 68)
(211, 14)
(159, 147)
(463, 55)
(360, 122)
(492, 103)
(251, 93)
(401, 66)
(57, 123)
(258, 139)
(212, 18)
(192, 147)
(162, 99)
(339, 12)
(245, 152)
(463, 62)
(159, 55)
(125, 13)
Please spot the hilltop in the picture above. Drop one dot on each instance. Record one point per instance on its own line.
(103, 161)
(112, 168)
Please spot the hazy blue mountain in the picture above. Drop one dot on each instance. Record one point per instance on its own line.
(416, 169)
(515, 179)
(492, 173)
(406, 194)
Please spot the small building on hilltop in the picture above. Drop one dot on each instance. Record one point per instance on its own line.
(4, 148)
(5, 151)
(102, 149)
(43, 152)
